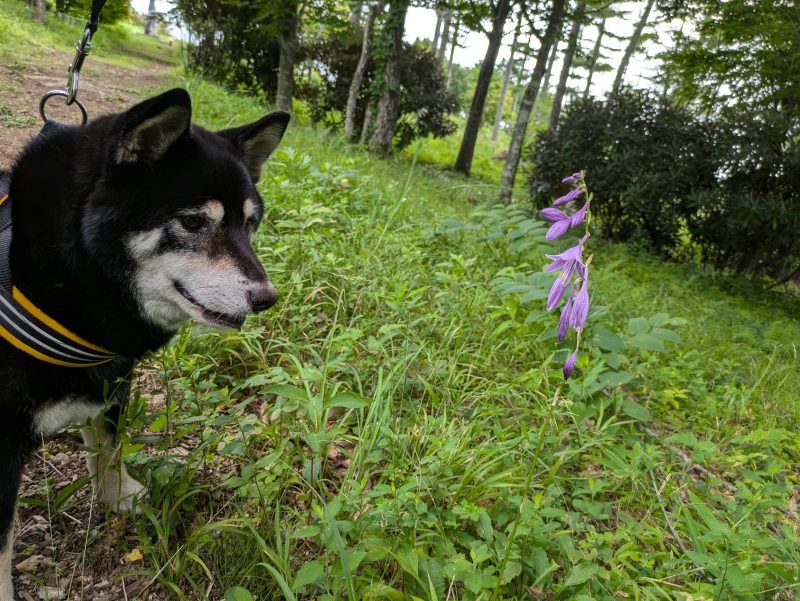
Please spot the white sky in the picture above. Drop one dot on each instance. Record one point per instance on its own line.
(421, 23)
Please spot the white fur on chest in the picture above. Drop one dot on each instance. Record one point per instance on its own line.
(54, 417)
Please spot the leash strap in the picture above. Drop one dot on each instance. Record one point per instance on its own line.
(94, 16)
(28, 328)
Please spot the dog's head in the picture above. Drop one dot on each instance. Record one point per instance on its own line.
(183, 204)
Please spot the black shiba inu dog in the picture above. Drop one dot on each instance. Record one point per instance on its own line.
(123, 229)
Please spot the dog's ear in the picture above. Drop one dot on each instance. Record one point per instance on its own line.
(257, 140)
(151, 127)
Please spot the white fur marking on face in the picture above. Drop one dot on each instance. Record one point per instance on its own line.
(54, 417)
(6, 556)
(218, 285)
(117, 489)
(214, 210)
(144, 243)
(250, 207)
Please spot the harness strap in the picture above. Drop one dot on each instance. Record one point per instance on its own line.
(30, 329)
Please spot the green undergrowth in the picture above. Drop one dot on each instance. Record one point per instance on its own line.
(398, 427)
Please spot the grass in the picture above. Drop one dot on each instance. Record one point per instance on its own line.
(398, 428)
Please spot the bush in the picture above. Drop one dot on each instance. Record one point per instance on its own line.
(728, 185)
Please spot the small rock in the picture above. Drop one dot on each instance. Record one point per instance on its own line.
(33, 563)
(52, 593)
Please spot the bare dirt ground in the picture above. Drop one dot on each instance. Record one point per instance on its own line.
(67, 546)
(104, 89)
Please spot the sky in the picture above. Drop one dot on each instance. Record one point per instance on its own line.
(421, 23)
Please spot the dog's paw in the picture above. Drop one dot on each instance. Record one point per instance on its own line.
(122, 495)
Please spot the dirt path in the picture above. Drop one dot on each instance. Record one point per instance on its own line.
(104, 89)
(72, 550)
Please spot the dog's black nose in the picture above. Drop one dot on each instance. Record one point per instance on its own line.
(262, 297)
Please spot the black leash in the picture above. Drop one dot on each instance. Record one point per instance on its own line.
(73, 74)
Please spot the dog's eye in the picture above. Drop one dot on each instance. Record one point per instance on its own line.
(192, 222)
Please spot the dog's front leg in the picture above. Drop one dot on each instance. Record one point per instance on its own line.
(12, 459)
(117, 489)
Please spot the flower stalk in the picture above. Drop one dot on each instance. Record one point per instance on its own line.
(570, 264)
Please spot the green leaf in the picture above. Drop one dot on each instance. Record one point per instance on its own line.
(580, 574)
(287, 390)
(608, 340)
(633, 409)
(659, 319)
(237, 593)
(347, 400)
(310, 572)
(639, 325)
(665, 334)
(646, 342)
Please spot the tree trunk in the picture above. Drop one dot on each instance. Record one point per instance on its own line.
(287, 40)
(637, 33)
(448, 16)
(518, 136)
(550, 63)
(498, 115)
(365, 127)
(465, 153)
(355, 15)
(601, 30)
(41, 11)
(389, 104)
(437, 31)
(566, 65)
(453, 45)
(358, 76)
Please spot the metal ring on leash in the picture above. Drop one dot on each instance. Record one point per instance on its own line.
(49, 95)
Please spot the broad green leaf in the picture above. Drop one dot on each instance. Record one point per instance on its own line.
(288, 391)
(238, 593)
(639, 325)
(608, 340)
(580, 574)
(347, 400)
(647, 342)
(665, 334)
(633, 409)
(310, 572)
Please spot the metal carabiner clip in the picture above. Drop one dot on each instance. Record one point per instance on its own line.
(82, 49)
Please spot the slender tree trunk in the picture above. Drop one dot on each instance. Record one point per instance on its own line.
(550, 63)
(365, 126)
(566, 65)
(465, 153)
(601, 30)
(355, 15)
(448, 16)
(637, 33)
(358, 76)
(453, 45)
(41, 11)
(437, 31)
(288, 45)
(389, 104)
(518, 136)
(498, 115)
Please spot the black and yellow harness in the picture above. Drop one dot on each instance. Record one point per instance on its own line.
(30, 329)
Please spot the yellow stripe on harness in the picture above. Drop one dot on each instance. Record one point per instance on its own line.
(52, 323)
(41, 356)
(3, 199)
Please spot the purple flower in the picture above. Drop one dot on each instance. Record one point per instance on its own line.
(563, 322)
(558, 289)
(580, 308)
(569, 364)
(558, 229)
(572, 178)
(568, 258)
(569, 196)
(580, 216)
(552, 215)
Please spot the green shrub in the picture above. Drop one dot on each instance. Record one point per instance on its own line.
(659, 172)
